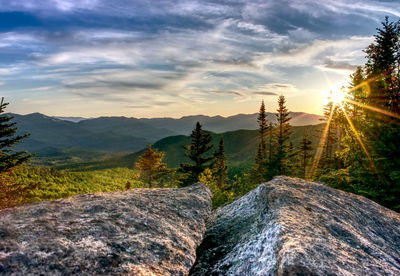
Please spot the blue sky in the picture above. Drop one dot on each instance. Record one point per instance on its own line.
(158, 58)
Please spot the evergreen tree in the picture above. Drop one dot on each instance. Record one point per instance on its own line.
(383, 67)
(381, 132)
(369, 150)
(197, 153)
(357, 90)
(260, 162)
(280, 160)
(270, 141)
(305, 154)
(151, 167)
(8, 157)
(219, 167)
(327, 155)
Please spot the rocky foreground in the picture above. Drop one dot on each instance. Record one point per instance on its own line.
(292, 227)
(284, 227)
(138, 232)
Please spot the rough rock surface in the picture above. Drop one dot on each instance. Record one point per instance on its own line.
(293, 227)
(137, 232)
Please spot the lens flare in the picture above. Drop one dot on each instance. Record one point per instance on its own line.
(321, 145)
(337, 97)
(358, 137)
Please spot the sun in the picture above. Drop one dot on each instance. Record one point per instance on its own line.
(336, 97)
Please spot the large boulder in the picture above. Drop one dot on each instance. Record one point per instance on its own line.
(137, 232)
(293, 227)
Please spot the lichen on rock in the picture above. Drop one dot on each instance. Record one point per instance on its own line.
(137, 232)
(289, 226)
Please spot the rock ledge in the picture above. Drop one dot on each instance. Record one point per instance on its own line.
(290, 226)
(137, 232)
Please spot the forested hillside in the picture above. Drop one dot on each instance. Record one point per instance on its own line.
(240, 146)
(53, 137)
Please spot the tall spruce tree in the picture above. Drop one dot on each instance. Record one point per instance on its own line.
(329, 147)
(197, 153)
(283, 134)
(357, 91)
(383, 67)
(8, 157)
(271, 127)
(381, 132)
(219, 167)
(369, 150)
(305, 154)
(260, 162)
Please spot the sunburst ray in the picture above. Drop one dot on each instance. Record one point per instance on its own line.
(321, 145)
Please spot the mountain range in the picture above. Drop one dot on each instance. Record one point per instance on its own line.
(50, 135)
(240, 149)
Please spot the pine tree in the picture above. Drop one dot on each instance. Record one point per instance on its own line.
(8, 157)
(197, 153)
(327, 156)
(260, 162)
(219, 167)
(151, 167)
(357, 90)
(369, 151)
(270, 141)
(383, 67)
(282, 137)
(381, 132)
(305, 154)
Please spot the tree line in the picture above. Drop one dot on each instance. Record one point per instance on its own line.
(358, 151)
(362, 152)
(275, 155)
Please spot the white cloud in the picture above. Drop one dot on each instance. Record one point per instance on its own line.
(47, 5)
(319, 50)
(183, 51)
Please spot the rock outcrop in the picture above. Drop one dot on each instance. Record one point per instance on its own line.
(284, 227)
(137, 232)
(293, 227)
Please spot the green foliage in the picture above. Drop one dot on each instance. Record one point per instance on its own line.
(366, 160)
(240, 149)
(8, 157)
(27, 184)
(72, 159)
(151, 167)
(219, 167)
(281, 149)
(259, 168)
(304, 155)
(280, 159)
(221, 193)
(197, 152)
(329, 109)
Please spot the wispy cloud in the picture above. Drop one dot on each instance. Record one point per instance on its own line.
(265, 93)
(181, 53)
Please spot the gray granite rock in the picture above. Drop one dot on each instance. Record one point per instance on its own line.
(137, 232)
(290, 226)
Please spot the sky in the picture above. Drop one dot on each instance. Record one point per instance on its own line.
(172, 58)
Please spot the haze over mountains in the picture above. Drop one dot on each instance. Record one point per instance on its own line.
(240, 149)
(121, 134)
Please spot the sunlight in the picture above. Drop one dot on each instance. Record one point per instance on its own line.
(321, 145)
(337, 97)
(384, 112)
(357, 135)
